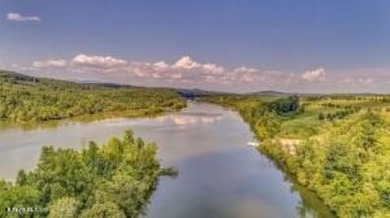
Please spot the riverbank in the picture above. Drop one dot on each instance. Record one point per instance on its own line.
(219, 177)
(86, 118)
(25, 99)
(326, 161)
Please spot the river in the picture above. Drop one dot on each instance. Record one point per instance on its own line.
(219, 174)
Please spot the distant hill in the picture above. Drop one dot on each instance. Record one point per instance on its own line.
(22, 79)
(271, 93)
(19, 78)
(12, 76)
(109, 85)
(192, 93)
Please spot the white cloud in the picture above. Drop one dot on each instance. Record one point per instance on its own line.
(103, 62)
(177, 76)
(186, 63)
(187, 72)
(161, 65)
(347, 81)
(243, 69)
(20, 18)
(366, 80)
(357, 81)
(314, 75)
(55, 63)
(212, 68)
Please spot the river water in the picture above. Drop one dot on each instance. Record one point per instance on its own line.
(219, 174)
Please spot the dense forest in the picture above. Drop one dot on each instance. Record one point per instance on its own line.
(344, 159)
(26, 99)
(114, 180)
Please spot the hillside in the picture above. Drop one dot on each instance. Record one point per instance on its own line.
(26, 99)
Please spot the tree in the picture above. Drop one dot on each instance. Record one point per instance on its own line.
(111, 180)
(103, 210)
(321, 116)
(65, 207)
(26, 99)
(267, 126)
(284, 106)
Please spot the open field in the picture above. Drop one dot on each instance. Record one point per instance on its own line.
(324, 111)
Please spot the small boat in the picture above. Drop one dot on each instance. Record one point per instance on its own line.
(253, 144)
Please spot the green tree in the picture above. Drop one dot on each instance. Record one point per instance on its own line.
(65, 207)
(103, 210)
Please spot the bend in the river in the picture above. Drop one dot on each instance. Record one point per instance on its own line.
(219, 174)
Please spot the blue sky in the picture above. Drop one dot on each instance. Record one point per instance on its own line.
(241, 45)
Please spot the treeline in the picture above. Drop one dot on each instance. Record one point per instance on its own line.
(346, 164)
(27, 99)
(344, 111)
(333, 105)
(336, 115)
(285, 106)
(113, 180)
(349, 97)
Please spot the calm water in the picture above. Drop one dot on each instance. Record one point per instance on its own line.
(219, 175)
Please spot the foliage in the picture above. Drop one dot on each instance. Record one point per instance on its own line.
(284, 106)
(340, 167)
(112, 180)
(27, 99)
(346, 161)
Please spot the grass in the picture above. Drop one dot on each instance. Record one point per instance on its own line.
(307, 124)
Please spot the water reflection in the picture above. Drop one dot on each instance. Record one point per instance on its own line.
(219, 175)
(190, 118)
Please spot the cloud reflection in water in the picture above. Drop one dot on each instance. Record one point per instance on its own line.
(187, 119)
